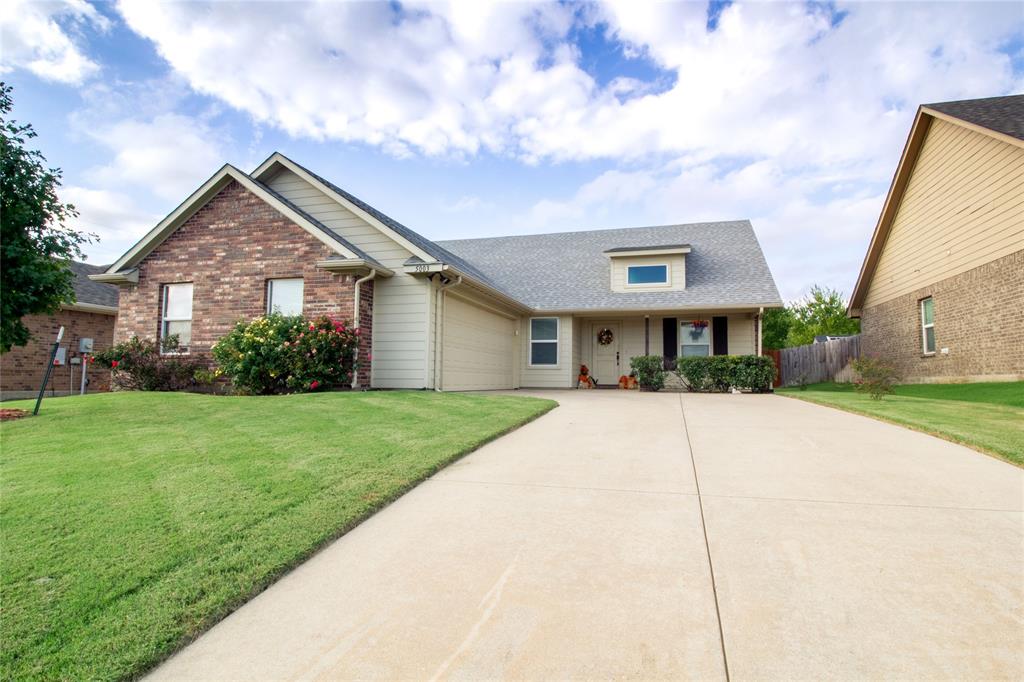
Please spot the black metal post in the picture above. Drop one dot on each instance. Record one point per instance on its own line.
(49, 369)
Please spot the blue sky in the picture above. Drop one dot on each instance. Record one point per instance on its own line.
(477, 119)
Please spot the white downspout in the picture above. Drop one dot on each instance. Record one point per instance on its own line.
(439, 332)
(355, 322)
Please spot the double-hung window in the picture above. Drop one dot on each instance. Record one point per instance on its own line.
(284, 296)
(928, 326)
(694, 339)
(543, 341)
(176, 319)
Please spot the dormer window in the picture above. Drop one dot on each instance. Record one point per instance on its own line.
(647, 274)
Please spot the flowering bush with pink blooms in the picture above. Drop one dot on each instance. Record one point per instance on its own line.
(279, 354)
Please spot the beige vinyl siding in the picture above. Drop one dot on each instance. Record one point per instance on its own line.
(479, 346)
(963, 207)
(676, 270)
(562, 376)
(400, 303)
(741, 335)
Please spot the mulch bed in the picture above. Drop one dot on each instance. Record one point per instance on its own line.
(10, 413)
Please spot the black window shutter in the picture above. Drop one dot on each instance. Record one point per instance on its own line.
(720, 334)
(669, 329)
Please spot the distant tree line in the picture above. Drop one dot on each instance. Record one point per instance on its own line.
(822, 312)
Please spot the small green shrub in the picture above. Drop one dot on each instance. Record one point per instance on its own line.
(650, 371)
(695, 371)
(279, 354)
(877, 377)
(723, 372)
(754, 372)
(137, 365)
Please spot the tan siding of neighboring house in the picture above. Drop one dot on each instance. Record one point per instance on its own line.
(963, 207)
(562, 376)
(401, 345)
(676, 266)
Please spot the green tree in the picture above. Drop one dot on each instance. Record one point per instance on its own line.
(822, 312)
(775, 326)
(35, 247)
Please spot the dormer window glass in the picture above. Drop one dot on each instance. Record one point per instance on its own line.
(647, 274)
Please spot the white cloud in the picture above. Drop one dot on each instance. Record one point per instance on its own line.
(113, 217)
(169, 155)
(43, 37)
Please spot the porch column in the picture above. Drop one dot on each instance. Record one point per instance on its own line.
(647, 334)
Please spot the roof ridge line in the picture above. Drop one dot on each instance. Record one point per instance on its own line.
(602, 229)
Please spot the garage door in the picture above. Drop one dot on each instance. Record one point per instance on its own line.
(479, 347)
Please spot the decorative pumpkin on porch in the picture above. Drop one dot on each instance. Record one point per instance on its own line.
(585, 379)
(605, 336)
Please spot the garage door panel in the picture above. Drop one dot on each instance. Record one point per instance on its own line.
(479, 348)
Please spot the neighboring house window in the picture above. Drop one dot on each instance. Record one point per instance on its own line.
(284, 296)
(177, 315)
(544, 341)
(694, 340)
(647, 274)
(928, 326)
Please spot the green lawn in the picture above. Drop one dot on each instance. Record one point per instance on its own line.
(988, 417)
(131, 522)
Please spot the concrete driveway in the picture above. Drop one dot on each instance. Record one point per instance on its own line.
(647, 536)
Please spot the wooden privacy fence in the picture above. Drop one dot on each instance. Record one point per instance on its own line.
(828, 361)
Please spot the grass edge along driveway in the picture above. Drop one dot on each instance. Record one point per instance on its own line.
(132, 522)
(988, 417)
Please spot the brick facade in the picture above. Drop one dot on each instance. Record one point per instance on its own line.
(979, 318)
(229, 249)
(22, 369)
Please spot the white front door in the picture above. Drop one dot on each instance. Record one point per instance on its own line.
(607, 368)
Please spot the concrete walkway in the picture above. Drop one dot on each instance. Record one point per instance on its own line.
(818, 544)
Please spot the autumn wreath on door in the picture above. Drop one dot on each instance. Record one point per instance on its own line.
(605, 337)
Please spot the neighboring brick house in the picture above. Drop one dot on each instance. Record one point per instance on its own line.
(941, 291)
(464, 315)
(91, 316)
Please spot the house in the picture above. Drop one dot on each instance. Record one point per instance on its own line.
(941, 292)
(469, 314)
(91, 316)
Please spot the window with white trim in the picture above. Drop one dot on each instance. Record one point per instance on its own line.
(284, 296)
(176, 319)
(646, 274)
(543, 341)
(928, 326)
(694, 339)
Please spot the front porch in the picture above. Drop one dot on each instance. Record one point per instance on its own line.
(607, 342)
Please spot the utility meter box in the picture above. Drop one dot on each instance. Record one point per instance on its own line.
(84, 345)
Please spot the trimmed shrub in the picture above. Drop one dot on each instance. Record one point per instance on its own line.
(279, 354)
(719, 373)
(754, 372)
(650, 371)
(137, 365)
(877, 378)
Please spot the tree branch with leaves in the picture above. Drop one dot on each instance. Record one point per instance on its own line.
(35, 244)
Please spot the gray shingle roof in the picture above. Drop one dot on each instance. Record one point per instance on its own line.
(87, 291)
(1001, 114)
(570, 271)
